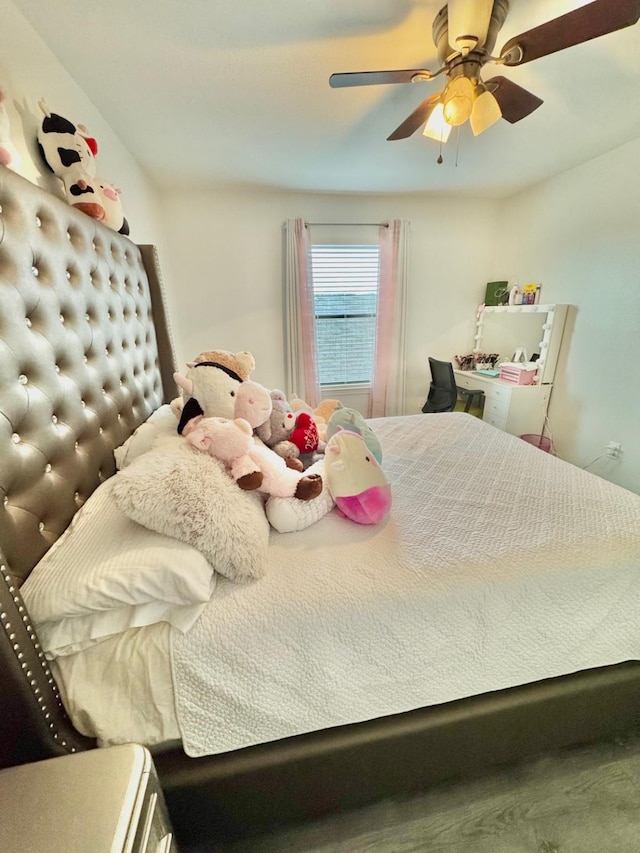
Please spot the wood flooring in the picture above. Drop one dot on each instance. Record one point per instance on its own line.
(583, 800)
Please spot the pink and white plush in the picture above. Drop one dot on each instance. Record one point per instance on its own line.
(355, 479)
(8, 152)
(251, 465)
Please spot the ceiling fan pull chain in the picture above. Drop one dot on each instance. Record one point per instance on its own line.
(457, 143)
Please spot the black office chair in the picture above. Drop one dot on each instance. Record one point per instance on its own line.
(443, 392)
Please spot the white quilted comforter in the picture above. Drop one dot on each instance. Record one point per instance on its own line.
(498, 565)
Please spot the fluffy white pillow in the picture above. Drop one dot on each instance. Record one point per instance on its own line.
(161, 422)
(106, 574)
(176, 490)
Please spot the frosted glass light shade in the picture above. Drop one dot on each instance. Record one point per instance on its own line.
(485, 112)
(436, 127)
(458, 101)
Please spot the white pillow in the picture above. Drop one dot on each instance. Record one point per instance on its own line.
(106, 574)
(177, 490)
(161, 422)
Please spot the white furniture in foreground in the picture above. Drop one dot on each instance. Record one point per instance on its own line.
(100, 801)
(517, 409)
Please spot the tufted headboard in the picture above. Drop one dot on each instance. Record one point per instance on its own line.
(85, 357)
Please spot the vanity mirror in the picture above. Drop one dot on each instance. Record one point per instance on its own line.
(534, 329)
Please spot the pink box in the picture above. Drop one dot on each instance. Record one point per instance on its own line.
(518, 375)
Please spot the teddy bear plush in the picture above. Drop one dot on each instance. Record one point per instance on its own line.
(252, 466)
(211, 385)
(275, 432)
(320, 414)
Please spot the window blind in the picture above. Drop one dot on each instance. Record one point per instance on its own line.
(345, 293)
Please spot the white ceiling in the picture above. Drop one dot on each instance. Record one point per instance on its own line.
(237, 91)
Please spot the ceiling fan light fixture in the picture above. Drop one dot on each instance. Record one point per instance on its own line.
(457, 101)
(486, 111)
(468, 23)
(436, 127)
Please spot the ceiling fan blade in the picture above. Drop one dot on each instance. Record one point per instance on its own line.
(515, 102)
(417, 118)
(373, 78)
(588, 22)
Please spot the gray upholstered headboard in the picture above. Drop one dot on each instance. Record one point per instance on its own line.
(85, 357)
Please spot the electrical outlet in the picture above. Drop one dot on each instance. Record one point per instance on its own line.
(613, 450)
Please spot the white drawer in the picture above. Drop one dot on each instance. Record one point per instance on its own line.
(497, 408)
(494, 420)
(498, 392)
(466, 381)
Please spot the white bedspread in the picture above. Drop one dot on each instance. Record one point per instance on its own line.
(498, 565)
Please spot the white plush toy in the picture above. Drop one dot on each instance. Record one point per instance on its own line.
(8, 152)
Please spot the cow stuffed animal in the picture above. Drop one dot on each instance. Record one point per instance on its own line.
(70, 153)
(251, 465)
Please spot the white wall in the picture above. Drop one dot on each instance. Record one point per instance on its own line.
(577, 234)
(29, 72)
(225, 257)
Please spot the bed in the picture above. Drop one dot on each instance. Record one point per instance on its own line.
(491, 616)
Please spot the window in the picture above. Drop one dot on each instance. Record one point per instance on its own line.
(345, 295)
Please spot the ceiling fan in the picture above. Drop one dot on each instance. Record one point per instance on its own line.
(464, 32)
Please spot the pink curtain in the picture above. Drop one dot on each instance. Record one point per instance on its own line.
(300, 332)
(387, 388)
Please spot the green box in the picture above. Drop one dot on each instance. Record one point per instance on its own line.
(497, 293)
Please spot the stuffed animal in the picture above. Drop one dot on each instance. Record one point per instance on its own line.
(306, 439)
(351, 419)
(211, 384)
(275, 432)
(355, 480)
(320, 414)
(252, 466)
(70, 153)
(8, 152)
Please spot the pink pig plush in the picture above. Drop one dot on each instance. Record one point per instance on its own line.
(355, 479)
(251, 465)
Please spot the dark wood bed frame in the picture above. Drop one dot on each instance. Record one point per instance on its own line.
(85, 356)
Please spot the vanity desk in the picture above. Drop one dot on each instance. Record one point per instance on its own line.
(517, 409)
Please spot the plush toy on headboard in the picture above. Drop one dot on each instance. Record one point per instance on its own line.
(69, 152)
(8, 152)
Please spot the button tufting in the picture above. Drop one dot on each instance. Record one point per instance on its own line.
(38, 221)
(47, 468)
(87, 317)
(69, 236)
(85, 359)
(54, 419)
(57, 368)
(68, 275)
(22, 379)
(35, 271)
(27, 322)
(5, 500)
(15, 438)
(62, 318)
(41, 526)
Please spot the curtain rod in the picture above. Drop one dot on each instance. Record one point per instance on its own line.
(385, 224)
